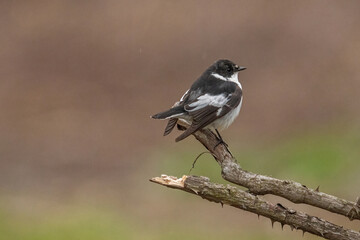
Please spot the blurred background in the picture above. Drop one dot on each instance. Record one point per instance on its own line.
(79, 80)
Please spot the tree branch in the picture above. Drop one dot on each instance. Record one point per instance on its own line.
(261, 185)
(235, 197)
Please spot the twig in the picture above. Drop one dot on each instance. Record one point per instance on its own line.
(193, 165)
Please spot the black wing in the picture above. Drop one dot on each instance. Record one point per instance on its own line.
(207, 108)
(172, 121)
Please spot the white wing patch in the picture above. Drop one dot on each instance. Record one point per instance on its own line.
(207, 99)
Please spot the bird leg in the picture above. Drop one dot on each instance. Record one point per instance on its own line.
(221, 141)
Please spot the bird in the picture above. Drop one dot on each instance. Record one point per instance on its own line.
(212, 102)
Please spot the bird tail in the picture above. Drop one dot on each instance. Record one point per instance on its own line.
(172, 112)
(185, 134)
(170, 126)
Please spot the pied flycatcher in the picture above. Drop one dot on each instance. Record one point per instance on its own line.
(213, 101)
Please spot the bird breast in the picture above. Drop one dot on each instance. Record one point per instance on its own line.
(227, 120)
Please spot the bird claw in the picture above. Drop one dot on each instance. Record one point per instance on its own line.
(221, 141)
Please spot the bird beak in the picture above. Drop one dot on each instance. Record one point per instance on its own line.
(240, 68)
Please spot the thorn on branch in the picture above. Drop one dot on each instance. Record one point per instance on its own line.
(281, 206)
(272, 223)
(317, 189)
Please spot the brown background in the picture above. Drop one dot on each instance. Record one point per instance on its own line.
(79, 80)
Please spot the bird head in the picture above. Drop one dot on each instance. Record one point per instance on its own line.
(226, 68)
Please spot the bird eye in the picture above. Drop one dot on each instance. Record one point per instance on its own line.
(228, 69)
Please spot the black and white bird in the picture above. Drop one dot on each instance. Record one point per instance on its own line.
(213, 101)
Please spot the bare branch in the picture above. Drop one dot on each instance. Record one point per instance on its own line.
(235, 197)
(261, 185)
